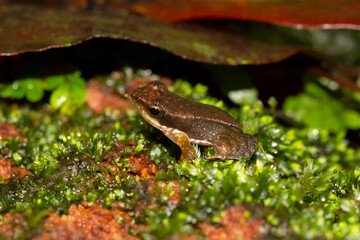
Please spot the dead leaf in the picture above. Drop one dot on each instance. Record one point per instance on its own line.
(25, 28)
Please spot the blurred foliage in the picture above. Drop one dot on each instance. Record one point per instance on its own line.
(68, 92)
(339, 43)
(317, 108)
(304, 182)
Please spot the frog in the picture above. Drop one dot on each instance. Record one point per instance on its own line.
(187, 122)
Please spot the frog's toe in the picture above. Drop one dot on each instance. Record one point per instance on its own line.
(216, 157)
(229, 157)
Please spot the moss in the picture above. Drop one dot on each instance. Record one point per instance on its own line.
(303, 181)
(67, 91)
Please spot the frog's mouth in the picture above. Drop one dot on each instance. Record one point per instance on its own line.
(153, 121)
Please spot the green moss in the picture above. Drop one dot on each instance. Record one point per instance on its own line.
(305, 179)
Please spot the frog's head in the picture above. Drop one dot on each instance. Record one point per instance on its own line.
(152, 100)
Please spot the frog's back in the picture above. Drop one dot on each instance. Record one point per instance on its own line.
(199, 121)
(187, 109)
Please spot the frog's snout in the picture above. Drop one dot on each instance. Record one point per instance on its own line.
(134, 95)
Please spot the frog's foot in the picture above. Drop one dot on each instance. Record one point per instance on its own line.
(182, 140)
(233, 143)
(187, 156)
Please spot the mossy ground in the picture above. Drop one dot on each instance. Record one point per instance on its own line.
(304, 182)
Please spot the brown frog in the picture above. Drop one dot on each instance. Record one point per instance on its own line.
(185, 121)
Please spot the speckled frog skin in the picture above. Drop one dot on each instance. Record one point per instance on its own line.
(185, 121)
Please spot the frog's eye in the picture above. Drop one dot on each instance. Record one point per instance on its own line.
(155, 110)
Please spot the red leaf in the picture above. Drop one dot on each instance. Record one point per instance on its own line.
(298, 14)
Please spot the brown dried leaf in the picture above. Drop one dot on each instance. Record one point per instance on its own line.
(25, 28)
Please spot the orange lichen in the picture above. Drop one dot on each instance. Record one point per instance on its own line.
(234, 225)
(8, 171)
(88, 222)
(139, 165)
(12, 224)
(174, 194)
(8, 131)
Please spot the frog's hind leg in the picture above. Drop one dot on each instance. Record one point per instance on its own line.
(232, 143)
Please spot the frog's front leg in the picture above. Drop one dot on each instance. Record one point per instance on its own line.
(182, 140)
(233, 143)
